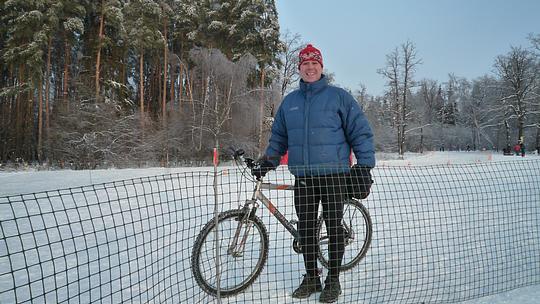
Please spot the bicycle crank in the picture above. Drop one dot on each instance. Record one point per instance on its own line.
(296, 246)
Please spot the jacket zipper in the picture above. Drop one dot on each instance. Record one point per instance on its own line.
(309, 93)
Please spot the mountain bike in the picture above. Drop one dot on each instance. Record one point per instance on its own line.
(242, 244)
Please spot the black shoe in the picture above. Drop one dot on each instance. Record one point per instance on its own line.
(331, 291)
(310, 285)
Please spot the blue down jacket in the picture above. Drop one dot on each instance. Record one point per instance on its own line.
(319, 124)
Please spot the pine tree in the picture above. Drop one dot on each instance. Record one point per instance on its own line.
(106, 18)
(64, 24)
(23, 54)
(143, 32)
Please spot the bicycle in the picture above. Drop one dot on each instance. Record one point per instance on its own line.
(246, 239)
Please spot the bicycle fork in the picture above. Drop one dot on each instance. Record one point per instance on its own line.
(238, 242)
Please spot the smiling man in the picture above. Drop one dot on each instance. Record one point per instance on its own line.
(310, 64)
(319, 125)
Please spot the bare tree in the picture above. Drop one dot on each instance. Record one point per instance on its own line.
(399, 72)
(391, 73)
(289, 71)
(362, 96)
(481, 112)
(225, 86)
(428, 91)
(535, 41)
(518, 71)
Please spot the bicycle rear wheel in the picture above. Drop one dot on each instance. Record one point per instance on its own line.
(358, 233)
(240, 266)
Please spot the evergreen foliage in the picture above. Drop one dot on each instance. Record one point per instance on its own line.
(161, 82)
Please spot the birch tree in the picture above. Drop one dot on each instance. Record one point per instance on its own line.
(226, 85)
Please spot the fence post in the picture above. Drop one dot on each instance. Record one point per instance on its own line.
(216, 223)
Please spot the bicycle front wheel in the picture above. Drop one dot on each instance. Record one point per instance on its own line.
(358, 232)
(241, 249)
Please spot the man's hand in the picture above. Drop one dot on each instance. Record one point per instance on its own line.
(361, 181)
(262, 166)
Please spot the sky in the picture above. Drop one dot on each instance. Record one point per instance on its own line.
(462, 37)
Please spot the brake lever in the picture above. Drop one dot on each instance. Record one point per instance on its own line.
(239, 152)
(249, 162)
(236, 154)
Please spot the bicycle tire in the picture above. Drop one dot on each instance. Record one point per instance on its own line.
(237, 272)
(357, 240)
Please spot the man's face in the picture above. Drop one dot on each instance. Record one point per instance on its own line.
(310, 71)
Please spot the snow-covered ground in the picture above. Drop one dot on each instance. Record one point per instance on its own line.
(32, 181)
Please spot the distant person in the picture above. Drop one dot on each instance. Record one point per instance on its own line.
(318, 124)
(468, 148)
(522, 149)
(517, 149)
(441, 148)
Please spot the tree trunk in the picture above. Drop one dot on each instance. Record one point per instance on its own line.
(401, 136)
(19, 118)
(507, 129)
(181, 85)
(538, 138)
(67, 59)
(48, 86)
(165, 67)
(123, 73)
(156, 87)
(498, 137)
(141, 87)
(422, 140)
(261, 111)
(40, 120)
(172, 91)
(521, 124)
(100, 43)
(30, 144)
(206, 96)
(189, 92)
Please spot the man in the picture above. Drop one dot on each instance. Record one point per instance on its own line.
(318, 124)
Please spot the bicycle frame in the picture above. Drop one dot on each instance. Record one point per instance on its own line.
(236, 248)
(258, 195)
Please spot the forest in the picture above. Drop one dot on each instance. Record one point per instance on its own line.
(135, 83)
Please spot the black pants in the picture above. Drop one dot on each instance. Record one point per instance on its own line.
(330, 191)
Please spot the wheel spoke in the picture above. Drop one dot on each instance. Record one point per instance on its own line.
(357, 223)
(236, 271)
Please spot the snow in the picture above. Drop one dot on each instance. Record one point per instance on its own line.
(12, 183)
(32, 181)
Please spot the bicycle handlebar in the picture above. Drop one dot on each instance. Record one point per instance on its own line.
(238, 155)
